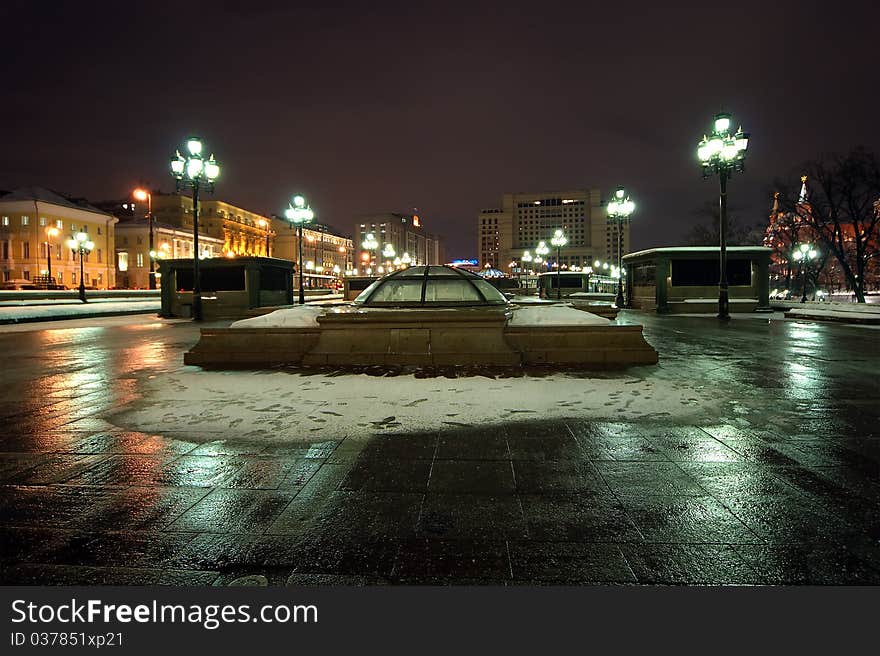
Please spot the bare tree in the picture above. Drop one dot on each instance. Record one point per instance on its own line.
(706, 232)
(841, 208)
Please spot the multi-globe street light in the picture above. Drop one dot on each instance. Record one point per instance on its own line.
(142, 195)
(388, 253)
(721, 153)
(299, 214)
(558, 240)
(51, 231)
(620, 207)
(80, 243)
(370, 245)
(196, 173)
(804, 254)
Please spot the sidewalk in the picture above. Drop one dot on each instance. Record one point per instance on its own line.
(860, 313)
(52, 311)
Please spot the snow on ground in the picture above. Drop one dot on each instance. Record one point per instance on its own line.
(284, 406)
(63, 311)
(299, 316)
(844, 315)
(554, 315)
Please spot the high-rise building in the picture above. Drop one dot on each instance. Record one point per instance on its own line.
(35, 224)
(403, 233)
(525, 219)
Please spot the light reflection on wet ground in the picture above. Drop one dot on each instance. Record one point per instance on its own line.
(782, 486)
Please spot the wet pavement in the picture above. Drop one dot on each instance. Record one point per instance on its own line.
(779, 484)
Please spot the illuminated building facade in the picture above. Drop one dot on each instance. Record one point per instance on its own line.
(324, 250)
(403, 233)
(524, 219)
(34, 226)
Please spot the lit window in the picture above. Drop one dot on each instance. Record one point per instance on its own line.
(5, 220)
(42, 221)
(25, 220)
(140, 259)
(60, 224)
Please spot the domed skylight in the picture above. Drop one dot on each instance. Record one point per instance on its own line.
(430, 286)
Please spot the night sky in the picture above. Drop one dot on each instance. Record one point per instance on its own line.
(385, 106)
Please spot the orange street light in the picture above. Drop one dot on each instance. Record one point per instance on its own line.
(141, 194)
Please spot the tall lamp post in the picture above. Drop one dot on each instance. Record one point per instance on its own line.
(80, 243)
(558, 240)
(541, 251)
(721, 153)
(194, 172)
(370, 245)
(620, 207)
(142, 195)
(803, 254)
(525, 259)
(51, 231)
(299, 214)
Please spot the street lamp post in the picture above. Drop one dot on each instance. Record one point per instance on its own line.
(370, 245)
(299, 214)
(51, 231)
(144, 195)
(80, 243)
(525, 259)
(723, 153)
(388, 253)
(558, 240)
(194, 172)
(620, 207)
(804, 254)
(541, 251)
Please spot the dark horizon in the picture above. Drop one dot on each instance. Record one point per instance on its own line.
(395, 107)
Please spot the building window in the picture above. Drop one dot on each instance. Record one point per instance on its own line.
(99, 256)
(100, 278)
(122, 261)
(25, 220)
(5, 250)
(140, 259)
(99, 231)
(25, 249)
(73, 278)
(42, 221)
(59, 224)
(60, 276)
(5, 220)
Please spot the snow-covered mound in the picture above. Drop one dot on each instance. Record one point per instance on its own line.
(301, 316)
(554, 315)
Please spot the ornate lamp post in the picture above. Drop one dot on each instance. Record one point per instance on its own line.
(804, 254)
(406, 260)
(558, 240)
(370, 245)
(388, 253)
(51, 231)
(299, 214)
(722, 153)
(620, 207)
(263, 223)
(80, 243)
(541, 251)
(194, 172)
(142, 195)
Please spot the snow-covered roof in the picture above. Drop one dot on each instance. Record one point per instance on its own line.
(43, 195)
(672, 250)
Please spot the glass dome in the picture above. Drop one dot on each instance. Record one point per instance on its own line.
(430, 286)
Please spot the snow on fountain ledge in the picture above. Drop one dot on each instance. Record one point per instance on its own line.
(306, 316)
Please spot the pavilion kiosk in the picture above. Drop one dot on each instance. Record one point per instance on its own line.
(685, 279)
(230, 286)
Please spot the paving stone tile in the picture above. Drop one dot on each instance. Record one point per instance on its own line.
(569, 563)
(474, 446)
(452, 560)
(233, 511)
(686, 520)
(548, 477)
(373, 474)
(472, 476)
(676, 564)
(638, 479)
(577, 518)
(472, 516)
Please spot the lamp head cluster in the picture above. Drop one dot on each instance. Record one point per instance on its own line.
(620, 206)
(193, 170)
(388, 252)
(370, 242)
(80, 243)
(559, 239)
(299, 212)
(805, 253)
(722, 152)
(542, 249)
